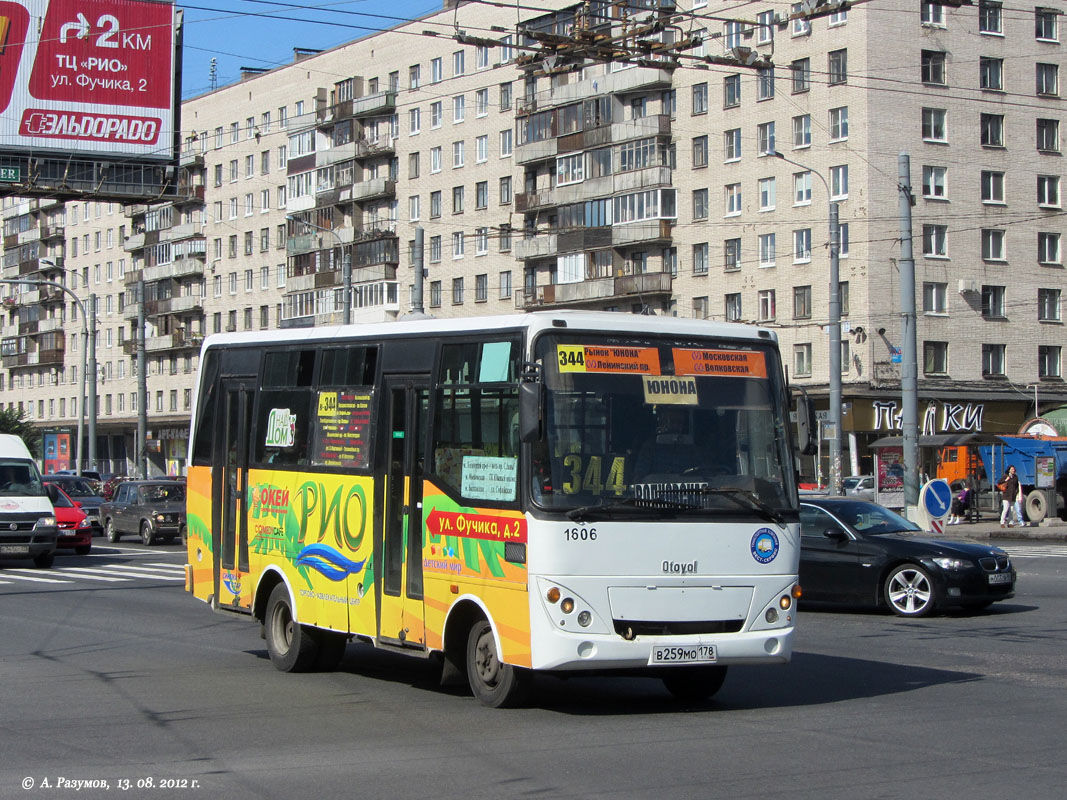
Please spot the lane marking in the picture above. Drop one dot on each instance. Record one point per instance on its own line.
(92, 574)
(7, 573)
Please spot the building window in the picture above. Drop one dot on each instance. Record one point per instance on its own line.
(932, 13)
(1048, 305)
(802, 245)
(765, 138)
(992, 244)
(992, 129)
(459, 108)
(993, 302)
(933, 67)
(839, 182)
(481, 194)
(934, 187)
(458, 65)
(765, 83)
(505, 285)
(801, 302)
(1048, 80)
(732, 255)
(732, 141)
(838, 124)
(700, 204)
(991, 74)
(733, 199)
(1048, 191)
(801, 188)
(731, 91)
(505, 190)
(435, 249)
(457, 199)
(1048, 248)
(1048, 361)
(802, 360)
(436, 71)
(435, 294)
(732, 307)
(935, 358)
(481, 149)
(935, 241)
(481, 288)
(1048, 135)
(435, 204)
(481, 103)
(801, 26)
(700, 307)
(767, 194)
(1045, 24)
(458, 154)
(700, 151)
(934, 127)
(838, 67)
(505, 143)
(989, 17)
(992, 361)
(700, 259)
(700, 98)
(935, 297)
(800, 72)
(458, 244)
(992, 187)
(766, 250)
(802, 131)
(765, 300)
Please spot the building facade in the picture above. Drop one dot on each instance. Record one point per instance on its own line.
(685, 184)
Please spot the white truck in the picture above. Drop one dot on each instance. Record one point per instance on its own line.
(27, 518)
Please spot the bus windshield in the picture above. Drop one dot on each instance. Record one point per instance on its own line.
(674, 428)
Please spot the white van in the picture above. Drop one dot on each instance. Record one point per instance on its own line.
(27, 519)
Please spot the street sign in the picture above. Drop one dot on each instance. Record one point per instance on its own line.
(10, 174)
(896, 356)
(936, 498)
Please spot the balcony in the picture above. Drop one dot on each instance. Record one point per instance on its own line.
(49, 325)
(179, 232)
(374, 105)
(373, 189)
(173, 341)
(189, 193)
(535, 151)
(328, 115)
(52, 232)
(190, 159)
(595, 291)
(656, 230)
(135, 241)
(179, 268)
(173, 305)
(385, 146)
(541, 246)
(531, 201)
(634, 79)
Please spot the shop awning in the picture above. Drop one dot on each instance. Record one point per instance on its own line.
(939, 440)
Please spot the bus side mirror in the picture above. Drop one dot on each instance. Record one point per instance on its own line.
(531, 394)
(805, 425)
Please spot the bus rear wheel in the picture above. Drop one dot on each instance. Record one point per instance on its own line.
(291, 647)
(494, 683)
(693, 684)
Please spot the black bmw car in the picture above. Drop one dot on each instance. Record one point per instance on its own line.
(857, 553)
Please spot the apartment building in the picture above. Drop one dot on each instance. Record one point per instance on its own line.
(693, 187)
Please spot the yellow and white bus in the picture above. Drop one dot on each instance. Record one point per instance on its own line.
(562, 492)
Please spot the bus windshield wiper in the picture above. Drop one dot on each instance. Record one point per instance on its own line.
(635, 504)
(738, 495)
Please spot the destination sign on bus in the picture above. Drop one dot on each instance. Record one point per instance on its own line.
(341, 425)
(596, 358)
(720, 363)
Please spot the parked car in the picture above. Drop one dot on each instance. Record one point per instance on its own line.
(861, 487)
(75, 530)
(82, 492)
(151, 509)
(857, 553)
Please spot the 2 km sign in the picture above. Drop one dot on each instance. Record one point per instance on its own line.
(98, 77)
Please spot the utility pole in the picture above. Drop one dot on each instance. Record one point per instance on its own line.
(416, 301)
(142, 386)
(909, 380)
(835, 351)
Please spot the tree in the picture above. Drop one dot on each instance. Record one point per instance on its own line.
(13, 420)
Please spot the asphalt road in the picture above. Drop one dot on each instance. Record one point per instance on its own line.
(131, 680)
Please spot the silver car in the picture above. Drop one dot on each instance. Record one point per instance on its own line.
(860, 486)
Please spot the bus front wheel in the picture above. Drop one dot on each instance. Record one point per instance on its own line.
(693, 684)
(494, 683)
(291, 647)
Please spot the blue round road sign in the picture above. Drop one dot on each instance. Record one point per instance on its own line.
(937, 498)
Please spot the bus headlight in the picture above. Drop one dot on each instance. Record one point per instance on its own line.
(567, 606)
(584, 618)
(771, 616)
(785, 601)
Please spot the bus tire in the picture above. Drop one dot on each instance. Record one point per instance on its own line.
(494, 683)
(291, 646)
(331, 650)
(1036, 505)
(694, 684)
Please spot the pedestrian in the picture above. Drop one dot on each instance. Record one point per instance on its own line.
(1009, 491)
(960, 503)
(1019, 516)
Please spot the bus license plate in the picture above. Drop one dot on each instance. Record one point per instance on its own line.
(14, 549)
(683, 654)
(1000, 577)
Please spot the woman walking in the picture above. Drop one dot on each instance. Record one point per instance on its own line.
(1009, 489)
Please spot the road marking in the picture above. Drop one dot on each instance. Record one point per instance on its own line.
(92, 574)
(1037, 551)
(169, 569)
(37, 579)
(138, 572)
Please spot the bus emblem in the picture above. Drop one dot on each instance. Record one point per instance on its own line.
(764, 545)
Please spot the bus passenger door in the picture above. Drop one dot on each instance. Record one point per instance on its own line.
(229, 490)
(400, 605)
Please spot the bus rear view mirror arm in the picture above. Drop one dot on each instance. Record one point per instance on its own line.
(531, 403)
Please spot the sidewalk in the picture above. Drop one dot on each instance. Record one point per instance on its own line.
(989, 528)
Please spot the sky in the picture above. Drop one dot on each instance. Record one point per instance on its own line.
(263, 33)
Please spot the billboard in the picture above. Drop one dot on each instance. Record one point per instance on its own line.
(95, 78)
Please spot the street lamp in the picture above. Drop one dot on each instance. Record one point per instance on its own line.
(346, 265)
(86, 360)
(835, 331)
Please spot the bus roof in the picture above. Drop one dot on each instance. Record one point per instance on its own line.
(534, 321)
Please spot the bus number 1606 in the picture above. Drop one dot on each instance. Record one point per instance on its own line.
(580, 534)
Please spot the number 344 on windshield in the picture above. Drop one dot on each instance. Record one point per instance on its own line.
(591, 477)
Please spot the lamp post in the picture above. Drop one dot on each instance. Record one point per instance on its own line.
(87, 363)
(346, 265)
(834, 331)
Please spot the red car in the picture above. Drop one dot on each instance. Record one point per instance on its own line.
(75, 530)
